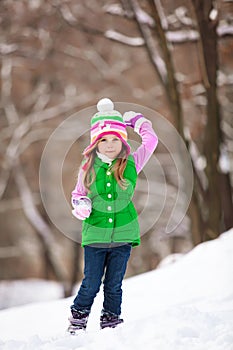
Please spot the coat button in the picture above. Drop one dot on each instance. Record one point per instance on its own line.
(109, 195)
(109, 207)
(110, 220)
(108, 172)
(108, 184)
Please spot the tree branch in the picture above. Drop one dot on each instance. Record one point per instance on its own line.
(124, 39)
(224, 30)
(151, 46)
(39, 224)
(6, 72)
(11, 153)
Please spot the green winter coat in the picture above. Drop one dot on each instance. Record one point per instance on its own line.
(113, 217)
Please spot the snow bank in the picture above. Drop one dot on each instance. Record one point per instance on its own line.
(184, 306)
(20, 292)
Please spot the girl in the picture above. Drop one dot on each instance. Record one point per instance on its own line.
(102, 198)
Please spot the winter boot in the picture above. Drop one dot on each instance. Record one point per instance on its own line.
(108, 319)
(78, 320)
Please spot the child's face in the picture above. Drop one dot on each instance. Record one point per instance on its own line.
(110, 146)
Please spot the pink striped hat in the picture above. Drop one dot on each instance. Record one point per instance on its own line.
(107, 121)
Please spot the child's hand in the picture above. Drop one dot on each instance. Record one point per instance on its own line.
(82, 207)
(134, 120)
(129, 118)
(81, 212)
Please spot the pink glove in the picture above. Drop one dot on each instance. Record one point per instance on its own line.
(134, 120)
(82, 208)
(81, 212)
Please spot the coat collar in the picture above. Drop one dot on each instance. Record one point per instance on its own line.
(100, 163)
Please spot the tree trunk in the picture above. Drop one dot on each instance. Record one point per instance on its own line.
(207, 28)
(171, 83)
(171, 86)
(226, 200)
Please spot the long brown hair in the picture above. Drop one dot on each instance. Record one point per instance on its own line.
(118, 168)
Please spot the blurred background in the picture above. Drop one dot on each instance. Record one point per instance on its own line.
(60, 57)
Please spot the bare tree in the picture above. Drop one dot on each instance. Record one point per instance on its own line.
(216, 200)
(207, 18)
(57, 58)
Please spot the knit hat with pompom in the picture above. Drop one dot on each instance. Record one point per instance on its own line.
(107, 121)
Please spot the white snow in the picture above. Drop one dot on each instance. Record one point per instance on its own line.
(187, 305)
(20, 292)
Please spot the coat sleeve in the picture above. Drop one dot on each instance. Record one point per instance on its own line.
(149, 143)
(79, 191)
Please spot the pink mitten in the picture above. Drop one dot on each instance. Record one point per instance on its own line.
(134, 120)
(81, 212)
(82, 208)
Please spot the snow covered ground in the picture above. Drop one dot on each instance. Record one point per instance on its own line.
(20, 292)
(184, 306)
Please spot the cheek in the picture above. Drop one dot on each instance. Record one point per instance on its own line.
(101, 148)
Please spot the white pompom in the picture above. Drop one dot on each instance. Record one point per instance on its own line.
(105, 105)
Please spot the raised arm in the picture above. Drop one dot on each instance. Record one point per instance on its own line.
(143, 128)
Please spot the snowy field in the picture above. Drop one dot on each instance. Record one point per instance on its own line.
(184, 306)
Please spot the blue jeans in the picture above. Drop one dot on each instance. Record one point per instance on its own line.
(112, 262)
